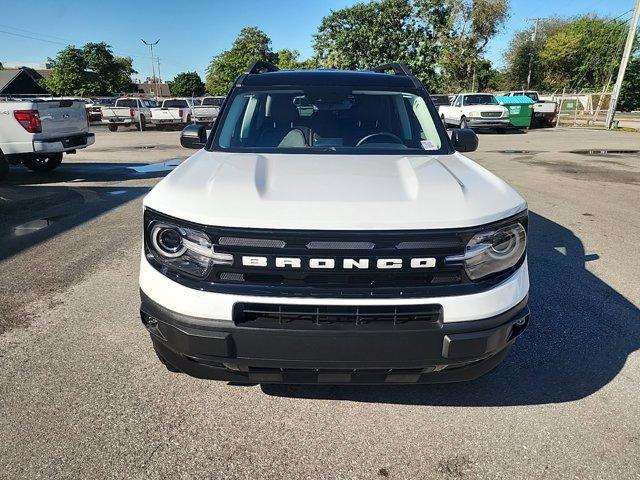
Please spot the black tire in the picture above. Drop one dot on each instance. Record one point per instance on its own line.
(42, 163)
(4, 166)
(463, 123)
(113, 128)
(141, 124)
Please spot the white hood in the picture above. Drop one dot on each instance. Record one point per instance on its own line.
(333, 192)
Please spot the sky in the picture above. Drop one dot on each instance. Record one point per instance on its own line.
(191, 32)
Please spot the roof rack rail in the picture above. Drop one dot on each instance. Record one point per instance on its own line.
(260, 67)
(399, 68)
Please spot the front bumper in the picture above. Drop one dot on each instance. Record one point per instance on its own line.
(64, 144)
(222, 350)
(488, 122)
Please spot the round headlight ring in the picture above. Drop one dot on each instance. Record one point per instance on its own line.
(167, 241)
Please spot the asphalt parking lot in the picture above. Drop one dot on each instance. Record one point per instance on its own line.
(82, 394)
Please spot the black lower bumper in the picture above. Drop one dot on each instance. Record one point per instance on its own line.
(221, 350)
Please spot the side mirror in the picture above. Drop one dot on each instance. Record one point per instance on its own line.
(464, 140)
(193, 136)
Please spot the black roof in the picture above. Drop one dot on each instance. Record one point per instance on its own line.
(327, 77)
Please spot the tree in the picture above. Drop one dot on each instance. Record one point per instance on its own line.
(187, 84)
(252, 44)
(630, 94)
(523, 48)
(69, 74)
(583, 54)
(366, 35)
(472, 24)
(90, 71)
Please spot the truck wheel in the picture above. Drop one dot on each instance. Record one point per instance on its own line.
(142, 124)
(42, 163)
(463, 123)
(4, 166)
(113, 128)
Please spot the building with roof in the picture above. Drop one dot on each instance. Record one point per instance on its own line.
(21, 81)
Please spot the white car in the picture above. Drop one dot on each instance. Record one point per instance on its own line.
(351, 245)
(475, 110)
(173, 111)
(207, 112)
(37, 133)
(127, 112)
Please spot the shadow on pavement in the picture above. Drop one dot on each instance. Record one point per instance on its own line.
(580, 335)
(32, 210)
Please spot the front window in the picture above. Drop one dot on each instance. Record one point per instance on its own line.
(328, 119)
(480, 100)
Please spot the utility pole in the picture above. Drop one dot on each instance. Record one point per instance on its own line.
(159, 76)
(623, 65)
(533, 39)
(153, 64)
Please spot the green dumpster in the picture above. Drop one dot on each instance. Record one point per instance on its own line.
(520, 109)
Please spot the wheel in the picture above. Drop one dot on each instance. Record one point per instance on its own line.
(188, 119)
(113, 128)
(43, 163)
(141, 124)
(463, 123)
(444, 122)
(4, 166)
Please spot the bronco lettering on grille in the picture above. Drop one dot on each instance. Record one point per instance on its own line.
(330, 263)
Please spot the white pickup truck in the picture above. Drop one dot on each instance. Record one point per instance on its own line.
(544, 112)
(36, 133)
(174, 111)
(207, 112)
(475, 110)
(128, 112)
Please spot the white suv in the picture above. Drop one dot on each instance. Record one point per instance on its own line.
(349, 244)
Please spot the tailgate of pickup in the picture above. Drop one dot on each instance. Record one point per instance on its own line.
(62, 117)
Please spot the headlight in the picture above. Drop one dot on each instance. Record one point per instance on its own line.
(474, 114)
(184, 249)
(493, 251)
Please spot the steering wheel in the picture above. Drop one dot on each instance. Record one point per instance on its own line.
(390, 135)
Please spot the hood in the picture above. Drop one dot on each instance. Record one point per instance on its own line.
(333, 192)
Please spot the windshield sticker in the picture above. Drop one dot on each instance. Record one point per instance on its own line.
(428, 145)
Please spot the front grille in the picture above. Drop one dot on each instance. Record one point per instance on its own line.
(338, 317)
(491, 114)
(279, 262)
(345, 260)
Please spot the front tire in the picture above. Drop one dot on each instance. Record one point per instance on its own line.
(113, 128)
(39, 163)
(464, 123)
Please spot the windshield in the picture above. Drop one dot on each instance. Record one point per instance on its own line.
(174, 104)
(328, 119)
(480, 100)
(214, 102)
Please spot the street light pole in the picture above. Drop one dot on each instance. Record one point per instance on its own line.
(153, 64)
(623, 65)
(533, 39)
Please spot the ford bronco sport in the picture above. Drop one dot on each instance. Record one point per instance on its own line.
(329, 231)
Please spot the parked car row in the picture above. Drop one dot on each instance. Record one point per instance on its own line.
(177, 111)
